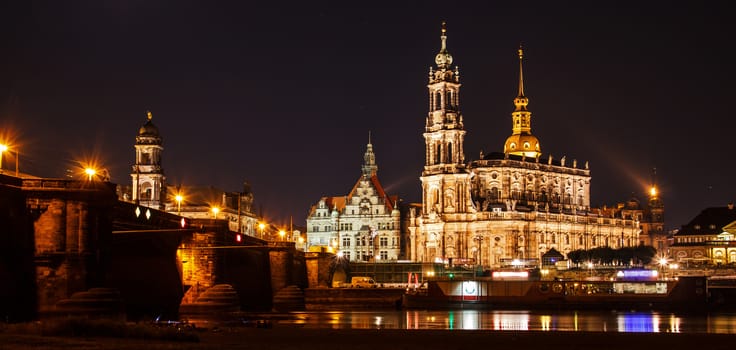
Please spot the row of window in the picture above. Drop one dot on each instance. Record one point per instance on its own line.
(368, 241)
(349, 227)
(366, 255)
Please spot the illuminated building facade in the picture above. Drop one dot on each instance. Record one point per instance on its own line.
(710, 238)
(149, 182)
(364, 225)
(510, 205)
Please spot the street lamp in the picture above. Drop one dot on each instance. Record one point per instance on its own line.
(215, 210)
(281, 234)
(3, 148)
(178, 199)
(261, 226)
(90, 172)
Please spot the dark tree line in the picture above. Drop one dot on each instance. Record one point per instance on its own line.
(626, 256)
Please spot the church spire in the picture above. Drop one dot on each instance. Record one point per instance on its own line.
(521, 72)
(369, 160)
(521, 142)
(443, 58)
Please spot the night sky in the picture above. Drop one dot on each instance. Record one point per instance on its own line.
(283, 96)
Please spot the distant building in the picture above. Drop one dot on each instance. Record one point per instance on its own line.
(707, 238)
(212, 203)
(510, 205)
(364, 225)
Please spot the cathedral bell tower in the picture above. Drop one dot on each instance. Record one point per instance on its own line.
(444, 180)
(149, 183)
(444, 132)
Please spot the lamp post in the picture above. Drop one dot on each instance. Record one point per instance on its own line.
(261, 226)
(281, 234)
(178, 198)
(3, 148)
(662, 264)
(215, 210)
(90, 172)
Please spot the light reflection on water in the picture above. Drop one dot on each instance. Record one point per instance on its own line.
(647, 322)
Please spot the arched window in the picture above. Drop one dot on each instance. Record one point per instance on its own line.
(449, 152)
(437, 100)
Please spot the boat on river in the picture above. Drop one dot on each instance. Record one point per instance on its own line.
(686, 292)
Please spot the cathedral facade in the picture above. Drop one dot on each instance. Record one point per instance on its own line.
(511, 206)
(364, 225)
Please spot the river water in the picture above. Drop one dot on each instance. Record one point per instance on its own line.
(557, 321)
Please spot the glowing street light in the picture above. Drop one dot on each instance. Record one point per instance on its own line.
(178, 199)
(215, 210)
(90, 172)
(281, 234)
(261, 226)
(3, 148)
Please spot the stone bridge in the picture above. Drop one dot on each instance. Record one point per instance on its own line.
(69, 246)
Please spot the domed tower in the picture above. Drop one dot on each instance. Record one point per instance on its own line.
(522, 142)
(149, 182)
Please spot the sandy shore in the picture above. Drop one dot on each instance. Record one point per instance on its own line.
(323, 339)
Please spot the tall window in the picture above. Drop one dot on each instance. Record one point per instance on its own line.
(346, 242)
(384, 242)
(384, 255)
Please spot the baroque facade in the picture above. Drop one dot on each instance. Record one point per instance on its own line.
(507, 206)
(364, 225)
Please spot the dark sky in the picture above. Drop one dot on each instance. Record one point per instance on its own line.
(283, 96)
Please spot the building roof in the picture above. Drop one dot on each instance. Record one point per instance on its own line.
(710, 221)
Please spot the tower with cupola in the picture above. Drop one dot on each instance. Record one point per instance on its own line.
(444, 181)
(149, 182)
(522, 142)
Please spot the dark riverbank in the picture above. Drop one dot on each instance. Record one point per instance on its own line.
(374, 339)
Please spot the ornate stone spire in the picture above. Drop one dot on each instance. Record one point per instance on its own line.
(369, 159)
(443, 59)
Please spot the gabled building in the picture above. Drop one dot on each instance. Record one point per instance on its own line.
(364, 225)
(707, 238)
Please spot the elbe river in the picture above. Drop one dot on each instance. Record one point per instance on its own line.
(556, 321)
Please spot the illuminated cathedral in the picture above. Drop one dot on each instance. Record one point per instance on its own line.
(513, 206)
